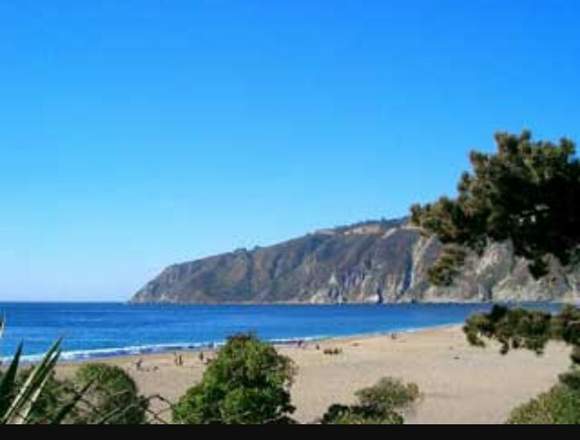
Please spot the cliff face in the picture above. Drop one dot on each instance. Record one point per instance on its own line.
(374, 262)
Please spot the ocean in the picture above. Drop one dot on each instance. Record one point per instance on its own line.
(92, 330)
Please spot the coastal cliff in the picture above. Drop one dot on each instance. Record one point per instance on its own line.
(371, 262)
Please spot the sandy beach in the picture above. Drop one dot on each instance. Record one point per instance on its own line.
(459, 383)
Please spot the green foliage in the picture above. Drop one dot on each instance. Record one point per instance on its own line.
(526, 192)
(566, 326)
(571, 379)
(528, 329)
(513, 329)
(34, 395)
(111, 396)
(66, 401)
(360, 415)
(519, 328)
(18, 399)
(560, 405)
(56, 395)
(389, 394)
(247, 383)
(447, 265)
(380, 404)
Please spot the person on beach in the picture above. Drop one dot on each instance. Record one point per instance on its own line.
(177, 359)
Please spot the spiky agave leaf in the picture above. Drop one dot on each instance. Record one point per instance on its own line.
(69, 407)
(8, 383)
(16, 409)
(20, 406)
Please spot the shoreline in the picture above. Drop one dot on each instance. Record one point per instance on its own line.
(78, 355)
(211, 347)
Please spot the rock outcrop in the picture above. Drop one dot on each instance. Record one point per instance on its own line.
(372, 262)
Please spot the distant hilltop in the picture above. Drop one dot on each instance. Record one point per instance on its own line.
(383, 261)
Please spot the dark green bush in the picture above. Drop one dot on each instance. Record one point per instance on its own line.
(377, 405)
(532, 329)
(525, 192)
(247, 383)
(360, 415)
(560, 405)
(112, 396)
(55, 395)
(389, 394)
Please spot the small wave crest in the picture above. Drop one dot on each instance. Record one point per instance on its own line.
(102, 353)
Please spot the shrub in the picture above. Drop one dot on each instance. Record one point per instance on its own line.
(360, 415)
(560, 405)
(247, 383)
(19, 396)
(377, 405)
(55, 395)
(332, 351)
(389, 394)
(35, 396)
(111, 397)
(532, 330)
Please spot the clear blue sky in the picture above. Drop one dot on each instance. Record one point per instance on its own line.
(138, 133)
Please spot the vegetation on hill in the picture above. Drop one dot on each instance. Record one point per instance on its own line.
(525, 197)
(528, 192)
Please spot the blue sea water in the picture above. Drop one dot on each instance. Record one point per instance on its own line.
(113, 329)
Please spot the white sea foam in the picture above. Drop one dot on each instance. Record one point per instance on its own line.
(100, 353)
